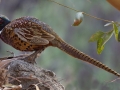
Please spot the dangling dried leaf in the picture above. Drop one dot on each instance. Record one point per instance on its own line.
(78, 19)
(115, 3)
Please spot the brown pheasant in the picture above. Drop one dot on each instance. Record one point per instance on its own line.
(30, 34)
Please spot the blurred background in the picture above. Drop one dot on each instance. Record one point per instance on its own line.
(72, 73)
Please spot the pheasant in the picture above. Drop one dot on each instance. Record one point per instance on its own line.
(30, 34)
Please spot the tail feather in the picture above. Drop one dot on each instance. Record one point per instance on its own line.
(78, 54)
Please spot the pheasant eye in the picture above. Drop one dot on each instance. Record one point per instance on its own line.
(1, 21)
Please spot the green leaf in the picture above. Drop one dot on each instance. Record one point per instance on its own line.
(115, 28)
(107, 36)
(96, 36)
(100, 46)
(119, 37)
(102, 40)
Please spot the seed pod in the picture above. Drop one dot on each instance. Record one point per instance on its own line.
(78, 19)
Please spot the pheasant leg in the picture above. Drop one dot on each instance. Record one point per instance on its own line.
(31, 58)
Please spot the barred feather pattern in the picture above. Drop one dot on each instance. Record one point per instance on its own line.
(81, 56)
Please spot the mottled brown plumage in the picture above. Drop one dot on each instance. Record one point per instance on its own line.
(30, 34)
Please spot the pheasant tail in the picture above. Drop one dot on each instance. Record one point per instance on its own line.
(77, 54)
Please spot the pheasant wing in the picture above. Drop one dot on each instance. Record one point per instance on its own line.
(34, 35)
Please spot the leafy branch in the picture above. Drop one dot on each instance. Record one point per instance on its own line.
(100, 37)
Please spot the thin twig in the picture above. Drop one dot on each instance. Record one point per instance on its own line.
(23, 78)
(64, 6)
(4, 58)
(83, 12)
(13, 78)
